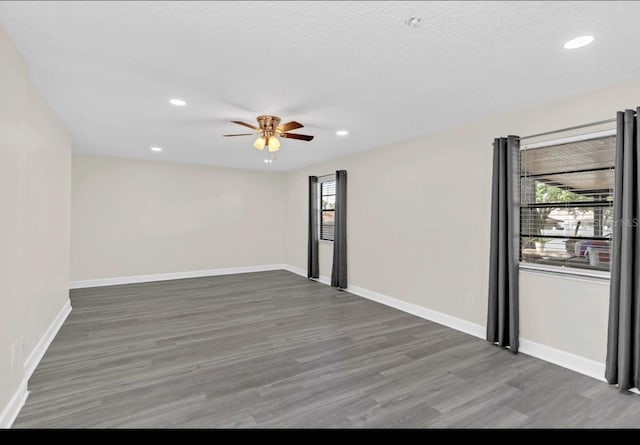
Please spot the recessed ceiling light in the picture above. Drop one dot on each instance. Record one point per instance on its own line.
(342, 132)
(413, 22)
(177, 102)
(268, 161)
(156, 149)
(578, 42)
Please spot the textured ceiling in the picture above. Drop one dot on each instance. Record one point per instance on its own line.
(109, 68)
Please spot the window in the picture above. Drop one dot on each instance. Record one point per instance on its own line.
(566, 205)
(327, 208)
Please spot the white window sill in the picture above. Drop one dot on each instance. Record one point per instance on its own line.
(571, 273)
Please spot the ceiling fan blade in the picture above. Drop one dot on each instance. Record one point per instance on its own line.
(302, 137)
(293, 125)
(244, 124)
(241, 134)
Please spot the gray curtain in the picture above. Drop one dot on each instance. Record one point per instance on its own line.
(313, 267)
(623, 344)
(503, 317)
(339, 269)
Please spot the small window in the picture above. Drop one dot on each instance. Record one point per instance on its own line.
(327, 209)
(566, 205)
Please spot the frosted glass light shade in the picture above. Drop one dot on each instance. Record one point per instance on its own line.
(274, 144)
(260, 143)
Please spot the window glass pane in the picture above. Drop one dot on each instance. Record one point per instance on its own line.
(329, 188)
(326, 232)
(327, 224)
(328, 217)
(566, 204)
(329, 202)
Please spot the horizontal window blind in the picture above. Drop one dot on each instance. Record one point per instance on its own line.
(566, 204)
(327, 209)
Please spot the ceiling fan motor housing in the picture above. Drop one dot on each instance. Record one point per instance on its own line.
(268, 124)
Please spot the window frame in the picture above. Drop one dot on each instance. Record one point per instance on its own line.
(321, 180)
(548, 269)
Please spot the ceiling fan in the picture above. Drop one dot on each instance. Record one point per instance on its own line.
(268, 131)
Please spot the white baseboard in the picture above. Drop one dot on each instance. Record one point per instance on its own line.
(420, 311)
(11, 411)
(414, 309)
(172, 276)
(302, 272)
(38, 352)
(565, 359)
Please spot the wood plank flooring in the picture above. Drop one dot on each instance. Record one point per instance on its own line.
(274, 350)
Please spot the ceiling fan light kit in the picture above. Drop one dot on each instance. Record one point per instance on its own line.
(268, 131)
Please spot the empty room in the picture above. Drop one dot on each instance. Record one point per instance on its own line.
(319, 215)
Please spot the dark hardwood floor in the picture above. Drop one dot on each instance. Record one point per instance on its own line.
(272, 349)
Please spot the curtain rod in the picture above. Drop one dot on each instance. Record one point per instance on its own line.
(569, 128)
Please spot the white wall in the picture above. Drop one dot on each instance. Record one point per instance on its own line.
(133, 218)
(35, 169)
(419, 216)
(569, 314)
